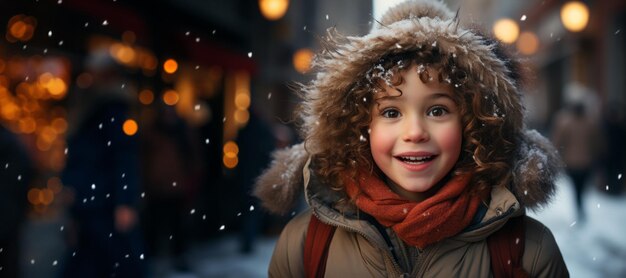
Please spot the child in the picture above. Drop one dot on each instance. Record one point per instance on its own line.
(416, 162)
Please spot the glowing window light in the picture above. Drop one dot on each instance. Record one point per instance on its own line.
(273, 9)
(574, 16)
(506, 30)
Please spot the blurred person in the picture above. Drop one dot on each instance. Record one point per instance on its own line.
(172, 171)
(15, 174)
(102, 171)
(256, 141)
(578, 139)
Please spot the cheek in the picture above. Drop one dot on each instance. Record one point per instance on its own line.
(452, 141)
(381, 142)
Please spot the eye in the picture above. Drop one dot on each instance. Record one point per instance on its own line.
(437, 111)
(390, 113)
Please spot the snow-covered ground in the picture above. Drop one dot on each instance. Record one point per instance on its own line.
(596, 248)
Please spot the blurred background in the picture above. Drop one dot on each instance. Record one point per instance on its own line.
(131, 131)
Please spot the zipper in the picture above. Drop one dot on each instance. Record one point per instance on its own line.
(387, 252)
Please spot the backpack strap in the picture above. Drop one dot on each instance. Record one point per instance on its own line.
(316, 245)
(506, 247)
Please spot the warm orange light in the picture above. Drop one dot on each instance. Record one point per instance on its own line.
(27, 125)
(242, 101)
(231, 147)
(506, 30)
(230, 162)
(46, 196)
(231, 150)
(242, 116)
(21, 28)
(273, 9)
(171, 97)
(122, 53)
(33, 196)
(528, 43)
(57, 88)
(302, 60)
(575, 16)
(130, 127)
(60, 125)
(146, 97)
(170, 66)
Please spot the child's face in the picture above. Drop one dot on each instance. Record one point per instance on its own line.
(416, 138)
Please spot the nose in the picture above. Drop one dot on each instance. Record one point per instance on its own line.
(415, 131)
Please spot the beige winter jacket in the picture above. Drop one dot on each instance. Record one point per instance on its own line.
(358, 249)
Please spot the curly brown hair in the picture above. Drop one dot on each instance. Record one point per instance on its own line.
(489, 133)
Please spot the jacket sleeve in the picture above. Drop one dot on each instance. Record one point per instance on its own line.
(287, 260)
(542, 257)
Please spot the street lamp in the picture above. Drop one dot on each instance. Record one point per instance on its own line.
(273, 9)
(574, 16)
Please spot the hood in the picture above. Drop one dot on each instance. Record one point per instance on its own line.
(414, 25)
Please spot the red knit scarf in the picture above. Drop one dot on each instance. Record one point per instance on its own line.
(440, 216)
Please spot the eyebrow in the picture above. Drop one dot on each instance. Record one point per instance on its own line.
(435, 95)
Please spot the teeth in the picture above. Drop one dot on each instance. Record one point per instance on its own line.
(414, 159)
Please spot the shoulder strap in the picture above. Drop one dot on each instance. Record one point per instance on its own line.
(506, 247)
(316, 245)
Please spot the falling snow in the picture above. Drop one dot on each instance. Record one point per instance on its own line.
(251, 208)
(174, 184)
(573, 223)
(93, 186)
(65, 151)
(141, 257)
(269, 95)
(105, 23)
(55, 263)
(49, 33)
(249, 54)
(222, 227)
(327, 17)
(196, 107)
(187, 33)
(619, 176)
(523, 18)
(617, 32)
(192, 211)
(198, 39)
(207, 141)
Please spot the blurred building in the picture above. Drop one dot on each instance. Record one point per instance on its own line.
(208, 59)
(573, 48)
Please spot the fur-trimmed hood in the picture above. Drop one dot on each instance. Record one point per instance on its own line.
(414, 25)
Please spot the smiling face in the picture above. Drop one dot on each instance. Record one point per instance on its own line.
(415, 135)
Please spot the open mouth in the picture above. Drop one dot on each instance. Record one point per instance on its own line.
(415, 159)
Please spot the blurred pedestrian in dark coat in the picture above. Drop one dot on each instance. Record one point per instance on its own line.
(102, 170)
